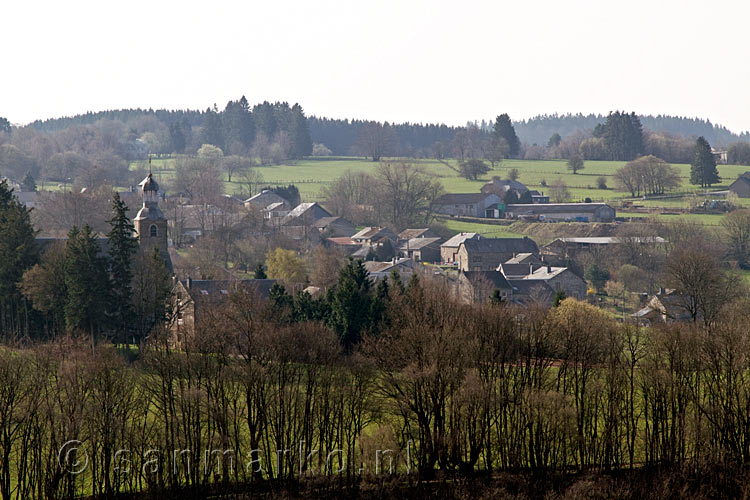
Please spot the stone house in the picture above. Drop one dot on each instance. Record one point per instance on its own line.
(467, 204)
(449, 249)
(486, 254)
(191, 298)
(422, 249)
(741, 187)
(334, 227)
(478, 286)
(554, 212)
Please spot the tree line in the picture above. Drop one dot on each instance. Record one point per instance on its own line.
(447, 388)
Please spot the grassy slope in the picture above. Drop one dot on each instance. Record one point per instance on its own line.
(310, 176)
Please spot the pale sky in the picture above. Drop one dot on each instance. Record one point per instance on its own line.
(416, 61)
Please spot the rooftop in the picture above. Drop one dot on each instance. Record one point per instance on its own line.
(461, 198)
(456, 240)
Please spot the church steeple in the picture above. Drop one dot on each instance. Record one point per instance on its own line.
(150, 223)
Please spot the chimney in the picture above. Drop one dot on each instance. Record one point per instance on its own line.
(549, 269)
(189, 282)
(531, 268)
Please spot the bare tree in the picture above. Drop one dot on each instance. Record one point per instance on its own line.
(376, 140)
(404, 194)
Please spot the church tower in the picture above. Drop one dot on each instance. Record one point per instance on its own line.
(150, 223)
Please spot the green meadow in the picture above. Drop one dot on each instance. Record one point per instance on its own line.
(312, 175)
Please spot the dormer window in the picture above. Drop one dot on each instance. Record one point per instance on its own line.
(153, 231)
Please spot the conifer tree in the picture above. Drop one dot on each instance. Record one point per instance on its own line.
(260, 272)
(18, 252)
(351, 303)
(122, 247)
(703, 170)
(503, 128)
(86, 281)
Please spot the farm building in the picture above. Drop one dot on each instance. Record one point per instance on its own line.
(193, 299)
(422, 249)
(449, 249)
(575, 212)
(305, 214)
(334, 227)
(478, 286)
(741, 187)
(265, 198)
(485, 254)
(468, 204)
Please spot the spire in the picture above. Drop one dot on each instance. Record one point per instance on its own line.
(149, 165)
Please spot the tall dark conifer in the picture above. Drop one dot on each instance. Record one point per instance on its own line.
(300, 133)
(18, 252)
(86, 281)
(504, 129)
(703, 171)
(351, 303)
(122, 247)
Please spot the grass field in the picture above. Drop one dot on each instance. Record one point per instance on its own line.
(311, 175)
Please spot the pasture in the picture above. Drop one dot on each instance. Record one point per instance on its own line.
(312, 175)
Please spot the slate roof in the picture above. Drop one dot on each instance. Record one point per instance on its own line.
(494, 277)
(523, 258)
(372, 232)
(456, 240)
(304, 207)
(506, 184)
(516, 270)
(419, 243)
(408, 234)
(501, 245)
(461, 198)
(556, 208)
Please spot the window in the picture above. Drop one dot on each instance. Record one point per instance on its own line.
(153, 230)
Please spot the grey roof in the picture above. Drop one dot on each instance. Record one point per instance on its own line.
(541, 208)
(456, 240)
(304, 207)
(609, 240)
(419, 243)
(408, 234)
(380, 267)
(216, 289)
(461, 198)
(149, 184)
(324, 222)
(501, 245)
(494, 277)
(149, 213)
(373, 232)
(530, 287)
(517, 270)
(506, 184)
(267, 193)
(522, 258)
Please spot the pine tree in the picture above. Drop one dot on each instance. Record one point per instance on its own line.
(122, 247)
(703, 171)
(18, 252)
(28, 183)
(504, 129)
(86, 281)
(260, 272)
(300, 133)
(351, 303)
(152, 289)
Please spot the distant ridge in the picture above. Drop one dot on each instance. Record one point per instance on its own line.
(536, 130)
(539, 129)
